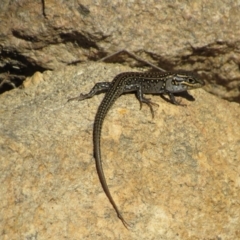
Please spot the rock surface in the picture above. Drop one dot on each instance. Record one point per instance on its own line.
(173, 177)
(190, 35)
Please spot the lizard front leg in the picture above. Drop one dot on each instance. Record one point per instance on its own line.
(139, 94)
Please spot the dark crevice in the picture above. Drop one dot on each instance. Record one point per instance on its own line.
(13, 75)
(83, 10)
(20, 35)
(212, 50)
(43, 9)
(79, 39)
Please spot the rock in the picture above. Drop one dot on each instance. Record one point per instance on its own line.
(193, 35)
(176, 175)
(33, 80)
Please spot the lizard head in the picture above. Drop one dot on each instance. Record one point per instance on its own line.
(182, 81)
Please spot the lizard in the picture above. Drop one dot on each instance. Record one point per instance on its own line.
(140, 83)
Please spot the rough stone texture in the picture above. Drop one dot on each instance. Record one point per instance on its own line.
(173, 177)
(192, 35)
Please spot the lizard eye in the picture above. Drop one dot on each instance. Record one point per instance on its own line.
(191, 80)
(174, 82)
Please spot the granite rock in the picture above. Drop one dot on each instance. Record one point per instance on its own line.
(173, 177)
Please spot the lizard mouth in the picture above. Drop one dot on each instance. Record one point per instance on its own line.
(193, 85)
